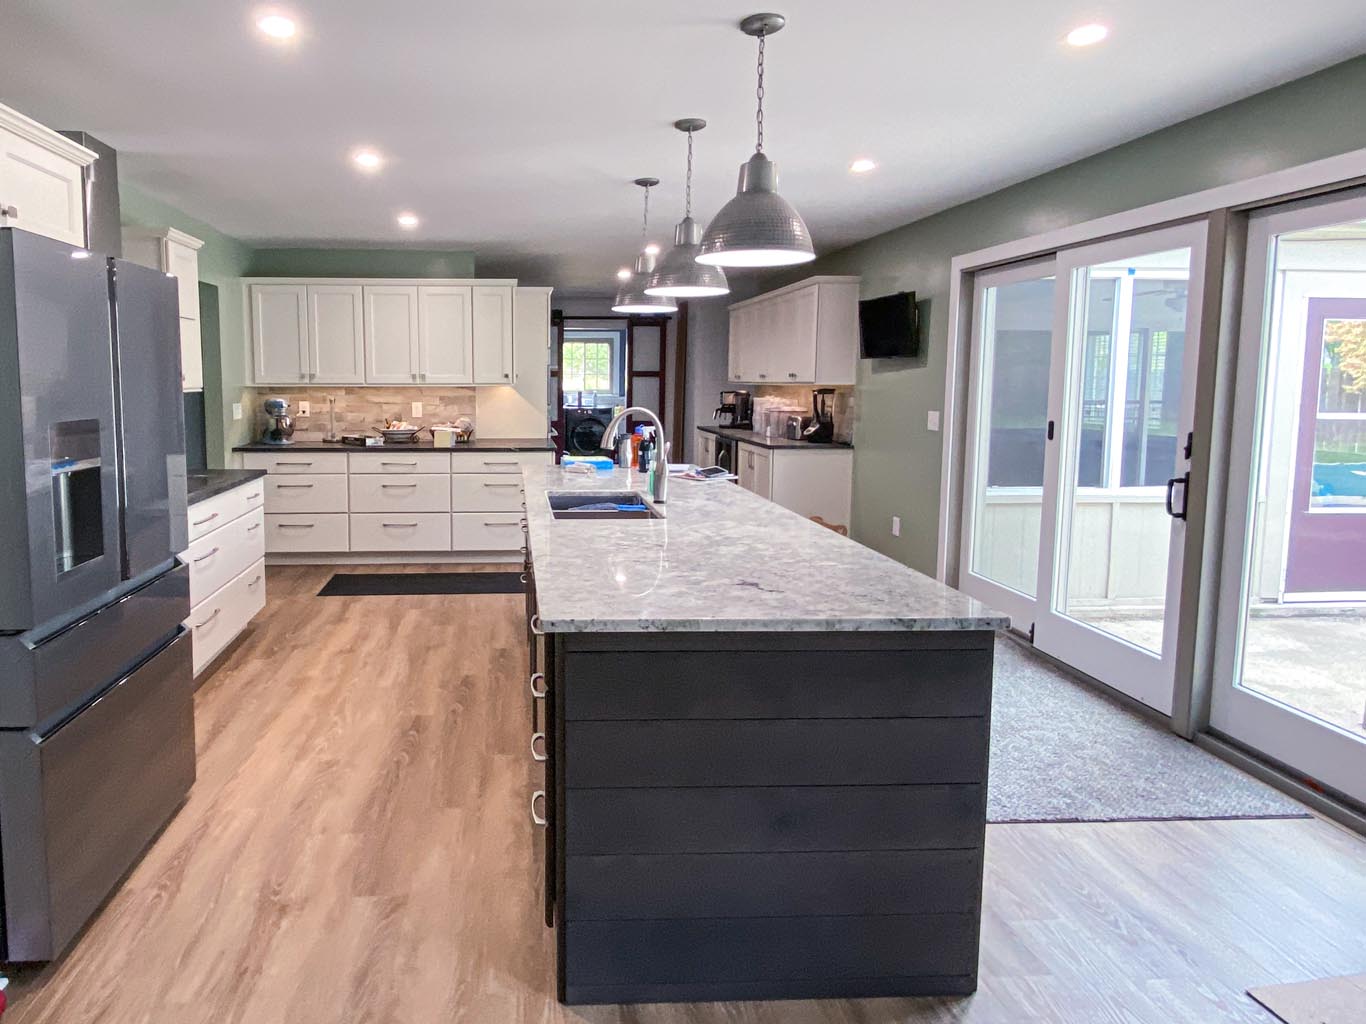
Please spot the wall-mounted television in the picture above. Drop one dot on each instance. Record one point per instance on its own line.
(889, 326)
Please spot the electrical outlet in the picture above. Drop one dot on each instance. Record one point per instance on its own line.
(896, 526)
(237, 410)
(303, 408)
(932, 421)
(417, 410)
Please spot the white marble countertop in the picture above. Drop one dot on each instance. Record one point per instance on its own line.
(721, 559)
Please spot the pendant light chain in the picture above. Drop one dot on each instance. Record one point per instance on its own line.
(687, 190)
(759, 93)
(645, 220)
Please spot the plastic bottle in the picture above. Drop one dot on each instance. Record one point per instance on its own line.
(647, 450)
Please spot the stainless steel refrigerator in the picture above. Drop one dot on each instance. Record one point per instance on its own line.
(96, 713)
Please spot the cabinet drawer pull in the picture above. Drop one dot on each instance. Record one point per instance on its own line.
(412, 463)
(255, 581)
(283, 463)
(494, 522)
(295, 526)
(521, 578)
(538, 694)
(793, 376)
(538, 819)
(203, 557)
(200, 522)
(511, 463)
(511, 483)
(399, 526)
(538, 755)
(9, 211)
(283, 486)
(251, 497)
(253, 526)
(388, 486)
(212, 615)
(536, 626)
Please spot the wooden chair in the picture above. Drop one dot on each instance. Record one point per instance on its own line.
(839, 528)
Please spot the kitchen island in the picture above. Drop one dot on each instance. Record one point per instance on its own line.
(765, 750)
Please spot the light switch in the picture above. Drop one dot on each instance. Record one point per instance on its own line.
(237, 410)
(932, 420)
(417, 410)
(896, 526)
(303, 408)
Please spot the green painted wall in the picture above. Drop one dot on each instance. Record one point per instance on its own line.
(222, 262)
(361, 263)
(897, 459)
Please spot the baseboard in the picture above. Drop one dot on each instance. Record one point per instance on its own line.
(416, 557)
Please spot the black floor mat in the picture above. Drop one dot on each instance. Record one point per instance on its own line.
(376, 584)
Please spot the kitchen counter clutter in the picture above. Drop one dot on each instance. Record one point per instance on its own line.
(765, 750)
(500, 444)
(754, 437)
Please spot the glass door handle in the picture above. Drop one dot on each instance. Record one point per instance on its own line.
(1185, 481)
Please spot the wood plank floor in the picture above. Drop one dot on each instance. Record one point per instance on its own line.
(358, 849)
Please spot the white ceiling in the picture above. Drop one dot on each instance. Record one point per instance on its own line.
(514, 127)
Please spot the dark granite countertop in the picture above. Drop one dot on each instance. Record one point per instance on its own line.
(204, 484)
(479, 444)
(761, 441)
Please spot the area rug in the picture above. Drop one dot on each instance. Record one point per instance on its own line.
(1061, 750)
(379, 584)
(1323, 1001)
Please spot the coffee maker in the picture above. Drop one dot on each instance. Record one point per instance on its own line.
(736, 410)
(822, 427)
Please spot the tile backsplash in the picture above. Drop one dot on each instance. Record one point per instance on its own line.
(846, 404)
(360, 408)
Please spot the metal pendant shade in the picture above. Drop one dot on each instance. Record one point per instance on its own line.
(631, 297)
(758, 228)
(679, 275)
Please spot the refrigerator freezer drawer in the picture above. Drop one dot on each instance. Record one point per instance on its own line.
(80, 804)
(47, 676)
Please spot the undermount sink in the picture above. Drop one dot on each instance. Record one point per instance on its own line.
(571, 505)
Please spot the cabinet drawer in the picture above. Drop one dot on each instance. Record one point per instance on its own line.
(486, 492)
(399, 462)
(295, 462)
(221, 509)
(289, 533)
(486, 531)
(416, 492)
(218, 556)
(496, 462)
(306, 493)
(401, 531)
(216, 621)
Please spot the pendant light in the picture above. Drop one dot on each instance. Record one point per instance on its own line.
(758, 228)
(679, 275)
(631, 297)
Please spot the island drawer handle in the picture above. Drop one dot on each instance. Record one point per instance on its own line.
(387, 486)
(295, 526)
(535, 754)
(202, 557)
(512, 483)
(388, 463)
(512, 463)
(536, 626)
(251, 497)
(255, 581)
(538, 819)
(283, 463)
(213, 615)
(201, 522)
(494, 522)
(253, 526)
(281, 487)
(538, 694)
(397, 526)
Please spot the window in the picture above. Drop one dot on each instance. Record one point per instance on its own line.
(587, 366)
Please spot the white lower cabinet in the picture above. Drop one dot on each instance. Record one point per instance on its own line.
(401, 531)
(809, 481)
(414, 492)
(486, 531)
(486, 492)
(326, 533)
(226, 567)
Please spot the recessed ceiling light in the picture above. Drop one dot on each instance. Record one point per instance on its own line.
(1087, 35)
(367, 160)
(652, 249)
(277, 26)
(862, 166)
(624, 274)
(408, 220)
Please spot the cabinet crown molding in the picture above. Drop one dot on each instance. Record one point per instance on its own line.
(796, 286)
(41, 135)
(386, 282)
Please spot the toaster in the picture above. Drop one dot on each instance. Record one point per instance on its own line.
(793, 427)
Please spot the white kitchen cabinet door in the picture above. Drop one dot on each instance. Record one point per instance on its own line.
(705, 449)
(336, 334)
(741, 343)
(41, 186)
(492, 334)
(191, 356)
(279, 333)
(772, 324)
(391, 334)
(182, 262)
(755, 470)
(445, 318)
(792, 349)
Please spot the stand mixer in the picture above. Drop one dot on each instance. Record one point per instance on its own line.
(280, 429)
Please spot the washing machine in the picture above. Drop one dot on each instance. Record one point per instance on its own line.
(583, 430)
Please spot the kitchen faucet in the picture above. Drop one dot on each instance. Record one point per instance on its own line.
(661, 473)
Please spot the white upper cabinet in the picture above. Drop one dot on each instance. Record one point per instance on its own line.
(180, 258)
(806, 333)
(279, 333)
(493, 359)
(41, 188)
(391, 334)
(336, 334)
(176, 253)
(445, 319)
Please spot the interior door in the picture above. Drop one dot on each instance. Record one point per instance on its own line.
(1116, 473)
(1291, 639)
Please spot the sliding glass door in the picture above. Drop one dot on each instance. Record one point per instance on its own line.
(1291, 646)
(1080, 408)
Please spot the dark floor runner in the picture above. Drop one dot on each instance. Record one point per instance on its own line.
(375, 584)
